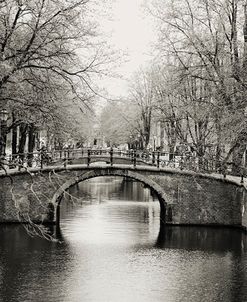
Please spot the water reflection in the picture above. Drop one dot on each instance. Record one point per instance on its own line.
(114, 249)
(211, 239)
(124, 212)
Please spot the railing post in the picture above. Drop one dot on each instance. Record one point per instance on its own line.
(134, 158)
(88, 157)
(158, 159)
(153, 158)
(41, 159)
(19, 162)
(182, 163)
(242, 179)
(65, 160)
(224, 169)
(111, 156)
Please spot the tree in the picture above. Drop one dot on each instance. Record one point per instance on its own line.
(131, 120)
(50, 55)
(204, 38)
(44, 36)
(143, 97)
(118, 123)
(49, 52)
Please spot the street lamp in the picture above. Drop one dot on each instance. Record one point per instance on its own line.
(3, 128)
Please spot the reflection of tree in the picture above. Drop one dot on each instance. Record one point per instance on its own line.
(134, 190)
(201, 238)
(22, 263)
(94, 189)
(109, 188)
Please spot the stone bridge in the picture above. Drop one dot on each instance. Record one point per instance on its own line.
(186, 198)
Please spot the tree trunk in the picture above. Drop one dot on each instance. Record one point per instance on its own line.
(218, 144)
(14, 140)
(22, 141)
(241, 141)
(245, 41)
(31, 143)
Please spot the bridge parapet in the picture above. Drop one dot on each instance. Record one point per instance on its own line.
(111, 156)
(185, 197)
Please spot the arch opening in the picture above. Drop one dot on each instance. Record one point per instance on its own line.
(154, 187)
(113, 210)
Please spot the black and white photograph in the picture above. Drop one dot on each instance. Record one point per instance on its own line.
(123, 150)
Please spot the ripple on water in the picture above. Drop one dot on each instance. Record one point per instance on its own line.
(114, 250)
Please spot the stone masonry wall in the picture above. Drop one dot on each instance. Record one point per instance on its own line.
(200, 200)
(190, 198)
(244, 209)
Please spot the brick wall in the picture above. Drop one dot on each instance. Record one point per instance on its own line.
(189, 198)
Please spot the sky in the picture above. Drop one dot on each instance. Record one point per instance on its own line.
(131, 31)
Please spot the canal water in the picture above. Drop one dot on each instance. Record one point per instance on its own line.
(112, 249)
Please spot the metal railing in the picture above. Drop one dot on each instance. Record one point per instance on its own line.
(158, 159)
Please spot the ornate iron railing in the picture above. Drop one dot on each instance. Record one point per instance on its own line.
(158, 159)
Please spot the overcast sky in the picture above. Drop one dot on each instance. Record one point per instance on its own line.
(130, 30)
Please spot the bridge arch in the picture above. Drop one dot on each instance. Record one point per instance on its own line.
(57, 197)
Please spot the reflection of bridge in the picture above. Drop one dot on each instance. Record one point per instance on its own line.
(186, 197)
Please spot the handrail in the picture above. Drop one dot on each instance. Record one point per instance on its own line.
(159, 159)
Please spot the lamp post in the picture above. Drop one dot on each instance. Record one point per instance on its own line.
(3, 131)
